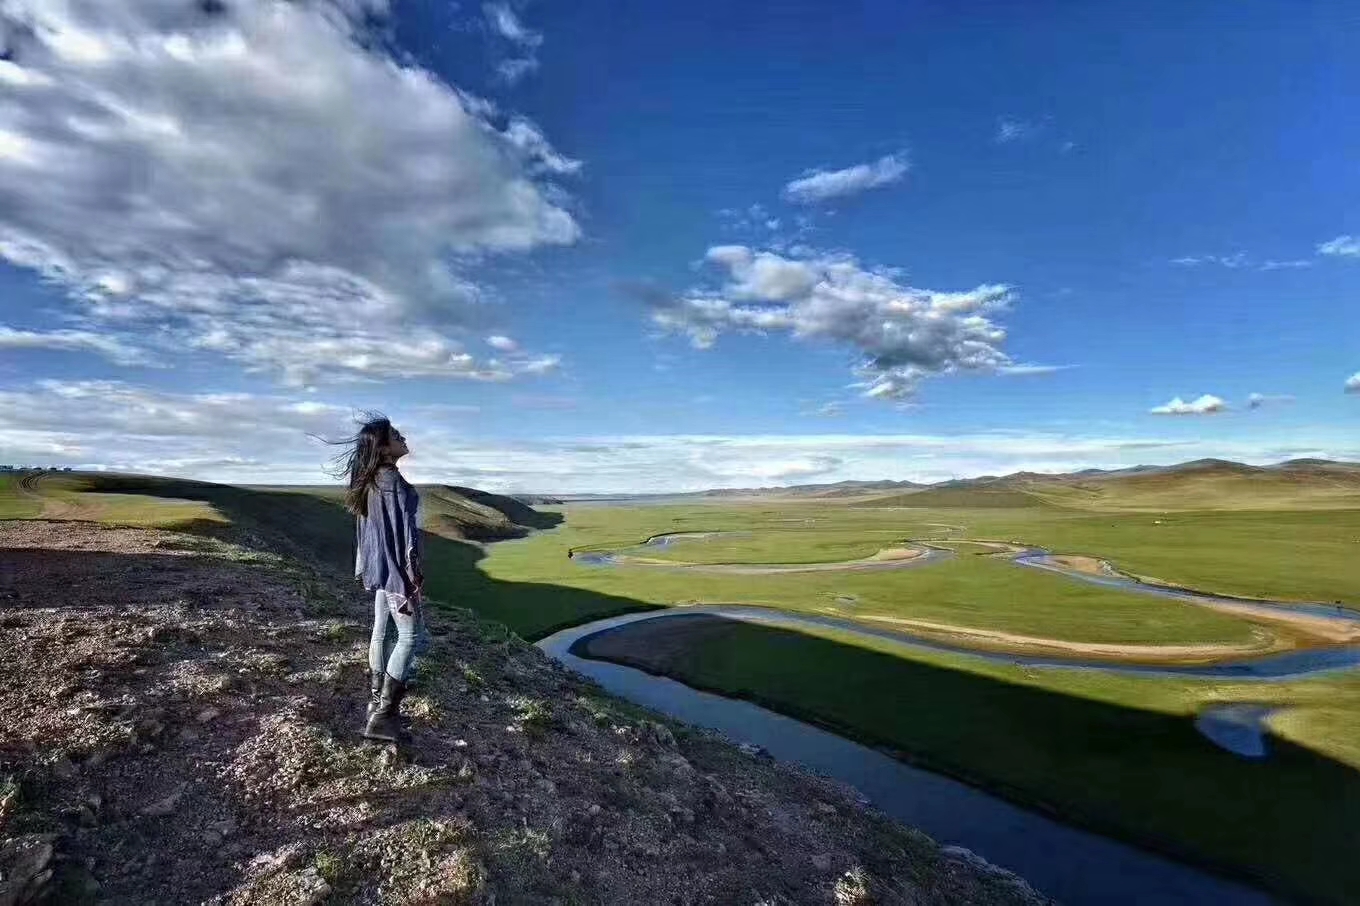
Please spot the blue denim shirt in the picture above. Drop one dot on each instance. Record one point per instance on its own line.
(387, 538)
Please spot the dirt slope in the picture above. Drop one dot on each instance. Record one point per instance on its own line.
(179, 719)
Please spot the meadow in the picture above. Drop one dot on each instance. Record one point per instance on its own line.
(1116, 752)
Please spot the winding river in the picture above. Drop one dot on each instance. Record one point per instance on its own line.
(1291, 664)
(1073, 865)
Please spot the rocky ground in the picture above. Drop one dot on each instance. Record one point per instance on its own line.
(179, 726)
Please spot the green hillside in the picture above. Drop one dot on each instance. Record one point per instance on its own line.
(972, 497)
(1201, 485)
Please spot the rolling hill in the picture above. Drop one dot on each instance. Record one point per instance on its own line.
(311, 513)
(837, 489)
(1200, 484)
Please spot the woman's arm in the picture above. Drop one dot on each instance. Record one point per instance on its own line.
(411, 519)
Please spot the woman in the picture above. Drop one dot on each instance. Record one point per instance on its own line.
(387, 561)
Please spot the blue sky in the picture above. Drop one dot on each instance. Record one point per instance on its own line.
(603, 247)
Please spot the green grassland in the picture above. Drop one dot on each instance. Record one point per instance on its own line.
(1307, 555)
(63, 496)
(1218, 552)
(13, 504)
(1115, 751)
(775, 547)
(971, 590)
(1303, 555)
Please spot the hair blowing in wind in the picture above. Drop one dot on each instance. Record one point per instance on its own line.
(359, 464)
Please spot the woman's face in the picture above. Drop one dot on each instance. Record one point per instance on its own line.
(396, 445)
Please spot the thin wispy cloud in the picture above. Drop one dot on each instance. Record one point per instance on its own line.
(539, 154)
(1011, 129)
(1023, 368)
(817, 186)
(1208, 404)
(111, 348)
(1341, 247)
(309, 267)
(1233, 261)
(505, 23)
(755, 218)
(1242, 261)
(1260, 400)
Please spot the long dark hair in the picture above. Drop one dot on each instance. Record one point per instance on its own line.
(360, 463)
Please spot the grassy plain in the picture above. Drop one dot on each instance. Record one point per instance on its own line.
(1302, 555)
(970, 590)
(1118, 752)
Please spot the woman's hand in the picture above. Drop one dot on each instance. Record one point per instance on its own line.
(416, 577)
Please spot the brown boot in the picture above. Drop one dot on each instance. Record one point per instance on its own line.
(383, 724)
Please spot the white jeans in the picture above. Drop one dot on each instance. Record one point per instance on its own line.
(399, 635)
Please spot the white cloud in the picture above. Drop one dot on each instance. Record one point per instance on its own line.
(660, 463)
(1341, 246)
(525, 136)
(73, 341)
(822, 185)
(1208, 404)
(504, 344)
(252, 180)
(513, 70)
(505, 23)
(1258, 400)
(763, 275)
(118, 426)
(1233, 261)
(1010, 129)
(1352, 384)
(755, 219)
(540, 364)
(1026, 368)
(1241, 260)
(826, 410)
(263, 440)
(508, 25)
(905, 334)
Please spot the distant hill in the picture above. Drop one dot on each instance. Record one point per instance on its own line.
(960, 496)
(457, 512)
(1199, 484)
(537, 499)
(310, 515)
(838, 489)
